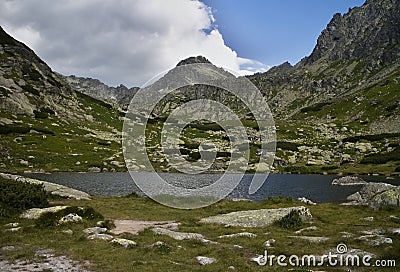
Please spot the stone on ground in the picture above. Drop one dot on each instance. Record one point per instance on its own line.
(205, 260)
(255, 218)
(126, 243)
(240, 234)
(179, 235)
(136, 226)
(70, 218)
(35, 213)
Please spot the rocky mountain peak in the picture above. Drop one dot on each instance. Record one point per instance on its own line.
(370, 32)
(27, 83)
(191, 60)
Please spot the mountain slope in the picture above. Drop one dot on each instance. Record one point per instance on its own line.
(44, 124)
(119, 96)
(356, 59)
(349, 86)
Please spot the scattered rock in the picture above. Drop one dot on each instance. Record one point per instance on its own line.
(395, 231)
(241, 234)
(101, 224)
(369, 219)
(312, 239)
(124, 242)
(241, 199)
(375, 240)
(355, 198)
(14, 229)
(94, 230)
(68, 232)
(373, 231)
(255, 218)
(179, 235)
(348, 181)
(24, 163)
(35, 213)
(306, 201)
(205, 260)
(260, 259)
(12, 225)
(312, 228)
(70, 218)
(349, 253)
(100, 236)
(136, 226)
(44, 261)
(94, 169)
(17, 139)
(346, 234)
(269, 243)
(158, 244)
(206, 241)
(8, 248)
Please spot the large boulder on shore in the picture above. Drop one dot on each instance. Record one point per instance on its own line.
(255, 218)
(389, 197)
(368, 191)
(348, 181)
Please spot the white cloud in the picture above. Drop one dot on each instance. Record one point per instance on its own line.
(120, 41)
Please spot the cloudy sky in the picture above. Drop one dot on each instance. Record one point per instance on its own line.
(130, 41)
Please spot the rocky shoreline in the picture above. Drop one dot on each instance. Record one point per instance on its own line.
(54, 189)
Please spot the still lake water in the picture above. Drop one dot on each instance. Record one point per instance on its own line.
(315, 187)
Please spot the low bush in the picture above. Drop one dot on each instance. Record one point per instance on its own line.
(44, 130)
(104, 143)
(40, 114)
(392, 107)
(206, 126)
(17, 196)
(371, 138)
(51, 219)
(288, 146)
(397, 169)
(329, 167)
(382, 158)
(30, 89)
(191, 145)
(9, 129)
(315, 107)
(297, 169)
(290, 221)
(278, 200)
(21, 129)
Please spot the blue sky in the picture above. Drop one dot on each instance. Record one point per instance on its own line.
(275, 31)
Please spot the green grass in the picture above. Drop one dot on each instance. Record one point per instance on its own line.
(330, 220)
